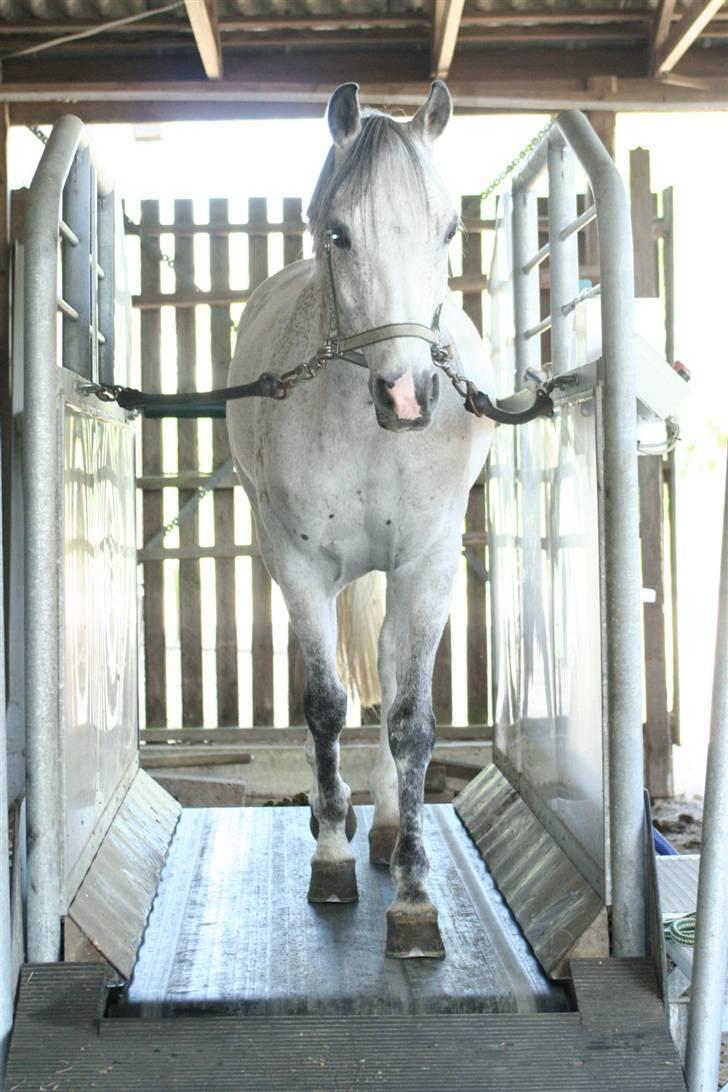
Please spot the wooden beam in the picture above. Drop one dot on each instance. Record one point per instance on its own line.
(663, 22)
(660, 28)
(326, 24)
(683, 35)
(202, 15)
(445, 27)
(167, 100)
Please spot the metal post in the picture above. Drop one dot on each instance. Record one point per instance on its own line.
(711, 936)
(6, 984)
(41, 459)
(563, 254)
(621, 534)
(79, 210)
(107, 287)
(525, 282)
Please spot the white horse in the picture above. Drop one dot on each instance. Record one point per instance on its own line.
(367, 469)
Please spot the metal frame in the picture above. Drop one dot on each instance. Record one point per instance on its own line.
(7, 986)
(711, 937)
(572, 138)
(65, 188)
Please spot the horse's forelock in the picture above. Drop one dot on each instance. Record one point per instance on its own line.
(381, 139)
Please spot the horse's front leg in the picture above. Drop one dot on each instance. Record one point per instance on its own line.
(419, 600)
(313, 616)
(383, 782)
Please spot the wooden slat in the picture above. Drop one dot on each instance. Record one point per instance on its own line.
(240, 295)
(684, 33)
(261, 585)
(642, 200)
(668, 268)
(288, 226)
(192, 553)
(442, 679)
(292, 251)
(189, 570)
(193, 298)
(296, 734)
(155, 644)
(658, 737)
(658, 732)
(202, 15)
(477, 630)
(226, 644)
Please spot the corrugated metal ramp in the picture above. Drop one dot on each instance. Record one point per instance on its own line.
(231, 929)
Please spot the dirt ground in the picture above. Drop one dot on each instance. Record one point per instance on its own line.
(680, 820)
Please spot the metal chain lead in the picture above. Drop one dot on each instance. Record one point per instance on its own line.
(441, 357)
(516, 161)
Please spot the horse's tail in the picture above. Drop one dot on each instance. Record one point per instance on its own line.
(359, 617)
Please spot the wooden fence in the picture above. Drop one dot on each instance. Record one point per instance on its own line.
(215, 636)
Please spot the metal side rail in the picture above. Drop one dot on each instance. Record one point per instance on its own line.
(617, 1041)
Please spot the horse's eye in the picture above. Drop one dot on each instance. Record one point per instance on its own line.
(340, 238)
(451, 234)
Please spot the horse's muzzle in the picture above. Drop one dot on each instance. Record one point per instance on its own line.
(407, 403)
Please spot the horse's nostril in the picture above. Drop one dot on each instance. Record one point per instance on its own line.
(390, 384)
(381, 392)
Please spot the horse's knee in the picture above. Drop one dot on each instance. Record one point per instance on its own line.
(324, 706)
(411, 731)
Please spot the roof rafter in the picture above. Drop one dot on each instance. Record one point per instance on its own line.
(202, 15)
(683, 34)
(445, 27)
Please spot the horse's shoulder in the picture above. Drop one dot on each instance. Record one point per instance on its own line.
(281, 287)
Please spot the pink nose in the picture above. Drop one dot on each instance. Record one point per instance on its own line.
(404, 399)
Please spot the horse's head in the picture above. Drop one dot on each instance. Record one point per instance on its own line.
(387, 219)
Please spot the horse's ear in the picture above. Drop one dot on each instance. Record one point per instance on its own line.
(432, 117)
(344, 114)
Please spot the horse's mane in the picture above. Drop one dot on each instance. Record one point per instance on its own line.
(382, 144)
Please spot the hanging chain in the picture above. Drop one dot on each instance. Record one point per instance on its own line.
(516, 161)
(38, 133)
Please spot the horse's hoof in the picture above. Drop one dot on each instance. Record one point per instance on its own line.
(350, 828)
(381, 844)
(413, 933)
(333, 881)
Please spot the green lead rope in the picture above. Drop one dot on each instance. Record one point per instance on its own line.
(680, 928)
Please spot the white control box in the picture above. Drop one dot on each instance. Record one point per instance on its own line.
(660, 390)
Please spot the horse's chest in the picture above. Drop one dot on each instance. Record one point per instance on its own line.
(359, 503)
